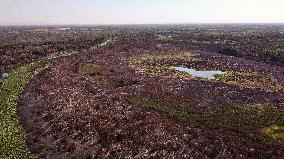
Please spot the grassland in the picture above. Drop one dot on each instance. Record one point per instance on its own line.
(12, 135)
(261, 121)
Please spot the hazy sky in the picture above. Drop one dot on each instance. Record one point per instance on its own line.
(41, 12)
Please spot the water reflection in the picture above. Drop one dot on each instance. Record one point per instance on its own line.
(196, 73)
(3, 75)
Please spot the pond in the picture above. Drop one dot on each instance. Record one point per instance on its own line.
(4, 75)
(105, 43)
(203, 74)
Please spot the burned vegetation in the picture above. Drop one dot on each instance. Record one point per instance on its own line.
(176, 91)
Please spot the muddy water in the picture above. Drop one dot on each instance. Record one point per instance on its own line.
(203, 74)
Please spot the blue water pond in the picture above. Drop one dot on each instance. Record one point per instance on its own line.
(196, 73)
(3, 75)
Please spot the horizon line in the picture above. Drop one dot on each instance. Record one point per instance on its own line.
(117, 24)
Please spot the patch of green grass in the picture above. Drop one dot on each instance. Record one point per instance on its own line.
(109, 40)
(173, 70)
(112, 39)
(224, 76)
(160, 64)
(88, 69)
(151, 69)
(156, 70)
(170, 69)
(58, 55)
(274, 131)
(246, 119)
(91, 72)
(201, 42)
(165, 37)
(253, 79)
(151, 58)
(164, 107)
(12, 138)
(98, 80)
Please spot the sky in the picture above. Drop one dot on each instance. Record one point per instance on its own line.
(60, 12)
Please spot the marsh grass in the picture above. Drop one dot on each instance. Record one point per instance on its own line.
(88, 69)
(152, 58)
(92, 74)
(274, 131)
(165, 108)
(98, 80)
(253, 79)
(224, 76)
(165, 37)
(256, 121)
(12, 135)
(159, 65)
(12, 138)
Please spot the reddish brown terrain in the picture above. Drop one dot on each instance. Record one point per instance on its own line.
(117, 95)
(67, 116)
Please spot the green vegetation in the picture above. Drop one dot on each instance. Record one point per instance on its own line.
(112, 39)
(161, 64)
(244, 118)
(154, 70)
(153, 58)
(247, 119)
(12, 138)
(252, 79)
(166, 108)
(165, 37)
(88, 69)
(200, 42)
(170, 69)
(98, 80)
(156, 64)
(91, 72)
(60, 54)
(265, 45)
(224, 76)
(275, 54)
(276, 132)
(109, 40)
